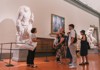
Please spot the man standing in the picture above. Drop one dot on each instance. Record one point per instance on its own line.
(72, 45)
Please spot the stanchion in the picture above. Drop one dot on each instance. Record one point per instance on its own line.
(46, 60)
(9, 64)
(1, 53)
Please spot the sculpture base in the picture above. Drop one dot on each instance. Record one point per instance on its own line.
(19, 55)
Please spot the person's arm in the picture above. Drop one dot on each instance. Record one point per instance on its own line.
(34, 39)
(62, 39)
(84, 38)
(54, 43)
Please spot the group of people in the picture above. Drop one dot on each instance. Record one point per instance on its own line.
(24, 25)
(67, 44)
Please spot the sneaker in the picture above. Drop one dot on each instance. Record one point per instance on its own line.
(60, 63)
(33, 66)
(70, 64)
(72, 67)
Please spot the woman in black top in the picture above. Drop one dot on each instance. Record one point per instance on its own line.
(84, 48)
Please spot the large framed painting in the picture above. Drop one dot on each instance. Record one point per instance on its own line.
(57, 22)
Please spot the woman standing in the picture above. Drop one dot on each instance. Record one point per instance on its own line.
(31, 54)
(59, 46)
(57, 39)
(84, 48)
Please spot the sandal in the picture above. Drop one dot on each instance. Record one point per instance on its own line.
(33, 66)
(82, 64)
(28, 65)
(87, 63)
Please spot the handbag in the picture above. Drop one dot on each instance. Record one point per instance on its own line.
(88, 45)
(29, 46)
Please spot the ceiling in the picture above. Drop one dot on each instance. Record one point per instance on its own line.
(95, 4)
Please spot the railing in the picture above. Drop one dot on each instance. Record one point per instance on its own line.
(9, 64)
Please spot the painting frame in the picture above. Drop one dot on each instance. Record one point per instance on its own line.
(53, 20)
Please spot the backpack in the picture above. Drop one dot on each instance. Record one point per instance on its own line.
(75, 39)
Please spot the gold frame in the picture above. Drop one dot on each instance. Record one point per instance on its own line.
(52, 32)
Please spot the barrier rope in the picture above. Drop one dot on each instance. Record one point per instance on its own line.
(11, 44)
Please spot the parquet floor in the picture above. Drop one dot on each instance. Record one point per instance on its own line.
(94, 60)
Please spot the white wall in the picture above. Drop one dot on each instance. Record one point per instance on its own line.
(43, 9)
(95, 4)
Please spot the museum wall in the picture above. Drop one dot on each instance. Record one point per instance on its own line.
(42, 11)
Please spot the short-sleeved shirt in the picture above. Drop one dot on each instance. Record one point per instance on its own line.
(72, 34)
(33, 36)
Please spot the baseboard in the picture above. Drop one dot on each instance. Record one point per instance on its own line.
(7, 55)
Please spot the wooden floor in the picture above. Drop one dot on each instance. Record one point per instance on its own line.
(94, 60)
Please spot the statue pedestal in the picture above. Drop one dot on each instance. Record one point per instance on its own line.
(19, 55)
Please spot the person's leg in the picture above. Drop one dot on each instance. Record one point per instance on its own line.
(32, 59)
(33, 56)
(70, 60)
(86, 60)
(28, 58)
(60, 55)
(74, 57)
(57, 55)
(83, 61)
(65, 51)
(68, 55)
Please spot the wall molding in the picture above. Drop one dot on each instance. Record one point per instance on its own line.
(88, 9)
(84, 7)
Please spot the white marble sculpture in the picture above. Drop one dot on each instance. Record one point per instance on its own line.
(24, 25)
(92, 40)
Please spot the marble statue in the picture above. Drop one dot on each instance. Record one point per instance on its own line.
(24, 24)
(92, 40)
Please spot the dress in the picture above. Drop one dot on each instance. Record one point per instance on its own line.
(84, 48)
(59, 51)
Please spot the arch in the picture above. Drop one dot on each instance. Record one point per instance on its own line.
(7, 31)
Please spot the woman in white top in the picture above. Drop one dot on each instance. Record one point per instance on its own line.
(31, 54)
